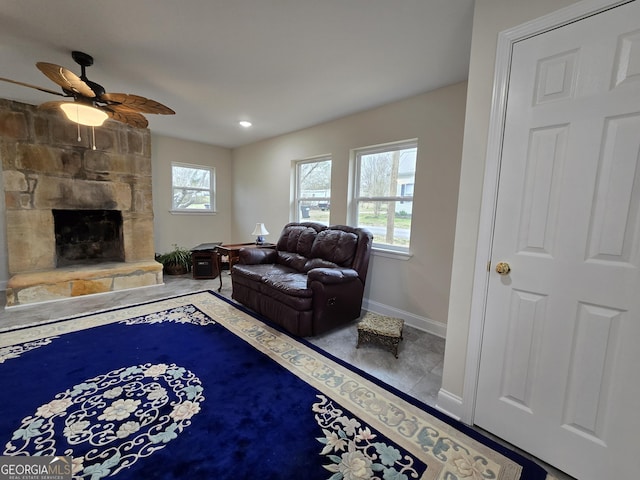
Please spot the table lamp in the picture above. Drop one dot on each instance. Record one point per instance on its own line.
(260, 231)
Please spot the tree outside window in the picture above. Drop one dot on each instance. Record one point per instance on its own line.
(313, 190)
(384, 186)
(192, 188)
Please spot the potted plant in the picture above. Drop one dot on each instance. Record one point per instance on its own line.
(177, 261)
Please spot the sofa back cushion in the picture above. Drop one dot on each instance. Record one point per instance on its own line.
(308, 245)
(335, 246)
(297, 239)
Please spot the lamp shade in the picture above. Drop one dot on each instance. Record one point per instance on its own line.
(84, 114)
(260, 230)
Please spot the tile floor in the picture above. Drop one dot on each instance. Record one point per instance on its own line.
(417, 370)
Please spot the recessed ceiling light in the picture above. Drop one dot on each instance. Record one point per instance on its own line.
(245, 124)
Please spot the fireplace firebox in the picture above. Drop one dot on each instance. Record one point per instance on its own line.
(88, 236)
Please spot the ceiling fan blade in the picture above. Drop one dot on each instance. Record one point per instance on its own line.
(137, 103)
(126, 115)
(66, 79)
(46, 90)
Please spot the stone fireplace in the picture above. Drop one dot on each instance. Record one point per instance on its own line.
(78, 220)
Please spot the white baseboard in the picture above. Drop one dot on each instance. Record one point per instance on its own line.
(421, 323)
(449, 404)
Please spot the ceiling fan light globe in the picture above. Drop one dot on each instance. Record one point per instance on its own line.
(84, 114)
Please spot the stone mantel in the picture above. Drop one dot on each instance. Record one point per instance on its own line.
(45, 167)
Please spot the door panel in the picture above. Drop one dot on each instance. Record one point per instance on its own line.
(614, 226)
(560, 351)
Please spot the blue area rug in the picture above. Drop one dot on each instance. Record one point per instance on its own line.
(195, 387)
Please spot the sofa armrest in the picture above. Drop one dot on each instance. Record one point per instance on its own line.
(254, 256)
(331, 275)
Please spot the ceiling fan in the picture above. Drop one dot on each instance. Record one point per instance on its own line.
(91, 104)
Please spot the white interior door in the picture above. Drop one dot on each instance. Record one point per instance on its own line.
(560, 356)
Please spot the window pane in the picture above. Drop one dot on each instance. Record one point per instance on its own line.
(383, 174)
(312, 211)
(191, 177)
(313, 190)
(191, 199)
(192, 188)
(390, 222)
(314, 179)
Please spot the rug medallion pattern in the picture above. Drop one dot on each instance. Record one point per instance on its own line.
(114, 419)
(144, 405)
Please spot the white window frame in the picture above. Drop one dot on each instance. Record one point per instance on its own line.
(211, 190)
(298, 199)
(356, 199)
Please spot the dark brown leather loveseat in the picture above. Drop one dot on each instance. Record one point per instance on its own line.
(312, 282)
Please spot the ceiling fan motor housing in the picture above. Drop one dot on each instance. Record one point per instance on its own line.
(86, 60)
(82, 59)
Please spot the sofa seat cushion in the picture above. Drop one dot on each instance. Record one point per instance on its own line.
(255, 273)
(291, 259)
(294, 284)
(289, 290)
(278, 282)
(318, 263)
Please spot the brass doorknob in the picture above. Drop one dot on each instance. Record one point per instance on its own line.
(503, 268)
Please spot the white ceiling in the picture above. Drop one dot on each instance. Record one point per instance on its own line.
(281, 64)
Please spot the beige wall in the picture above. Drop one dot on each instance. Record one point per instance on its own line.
(189, 230)
(417, 288)
(490, 18)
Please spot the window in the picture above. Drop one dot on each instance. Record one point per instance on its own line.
(313, 190)
(383, 193)
(192, 188)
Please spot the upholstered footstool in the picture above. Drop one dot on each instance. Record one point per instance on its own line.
(381, 330)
